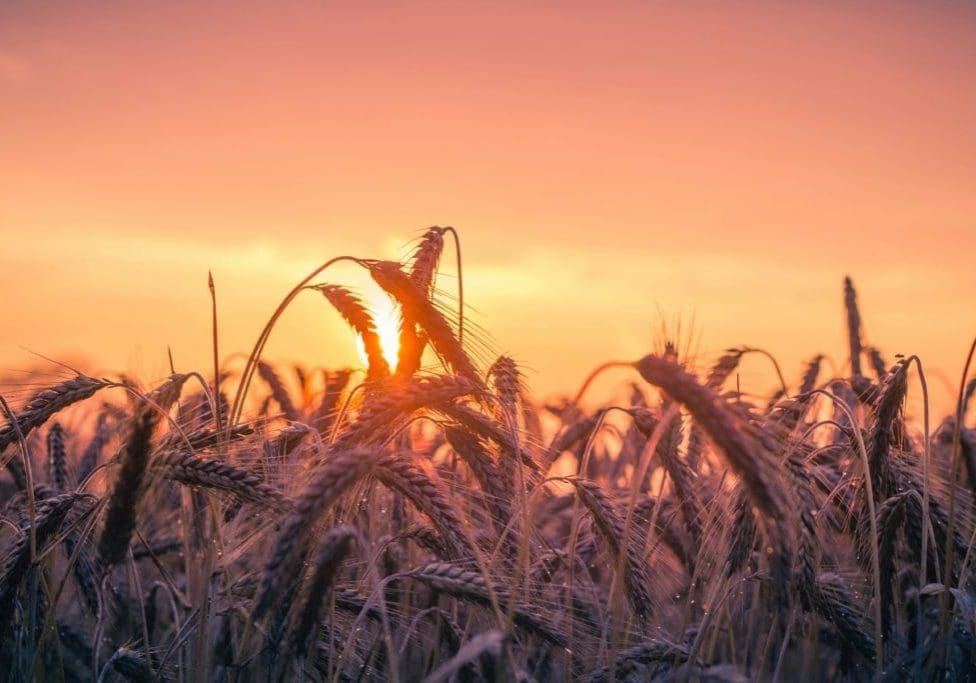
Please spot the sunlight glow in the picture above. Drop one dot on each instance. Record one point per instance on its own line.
(386, 316)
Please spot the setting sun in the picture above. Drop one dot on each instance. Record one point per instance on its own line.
(386, 316)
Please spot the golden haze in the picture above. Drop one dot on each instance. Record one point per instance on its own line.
(606, 165)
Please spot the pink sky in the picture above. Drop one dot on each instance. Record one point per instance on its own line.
(607, 164)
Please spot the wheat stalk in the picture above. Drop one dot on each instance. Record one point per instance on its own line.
(120, 517)
(470, 585)
(194, 470)
(57, 458)
(332, 478)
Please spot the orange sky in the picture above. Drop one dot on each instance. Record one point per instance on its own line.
(607, 165)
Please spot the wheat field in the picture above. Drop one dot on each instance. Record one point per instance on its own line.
(425, 518)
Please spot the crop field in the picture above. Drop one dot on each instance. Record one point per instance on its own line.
(425, 517)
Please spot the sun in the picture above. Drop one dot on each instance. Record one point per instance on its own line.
(386, 317)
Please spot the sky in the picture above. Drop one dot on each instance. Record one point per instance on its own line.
(611, 167)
